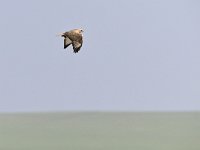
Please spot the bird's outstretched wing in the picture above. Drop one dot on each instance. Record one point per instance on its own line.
(67, 42)
(76, 46)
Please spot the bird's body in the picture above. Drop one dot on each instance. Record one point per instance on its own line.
(73, 37)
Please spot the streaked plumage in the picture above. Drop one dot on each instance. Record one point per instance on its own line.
(73, 37)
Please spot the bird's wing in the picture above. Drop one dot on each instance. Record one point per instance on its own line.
(76, 46)
(67, 42)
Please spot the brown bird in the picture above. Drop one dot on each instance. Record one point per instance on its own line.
(74, 37)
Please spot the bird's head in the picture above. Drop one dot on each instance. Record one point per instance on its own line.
(79, 31)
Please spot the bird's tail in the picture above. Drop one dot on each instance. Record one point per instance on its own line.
(60, 34)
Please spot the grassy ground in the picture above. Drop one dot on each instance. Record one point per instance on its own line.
(100, 131)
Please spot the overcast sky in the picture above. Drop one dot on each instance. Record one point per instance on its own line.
(137, 55)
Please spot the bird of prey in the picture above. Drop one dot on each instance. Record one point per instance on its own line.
(73, 37)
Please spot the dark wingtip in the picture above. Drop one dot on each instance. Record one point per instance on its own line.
(76, 50)
(65, 46)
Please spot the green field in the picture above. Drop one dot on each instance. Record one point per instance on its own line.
(100, 131)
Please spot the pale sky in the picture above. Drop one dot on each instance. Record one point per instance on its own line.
(137, 55)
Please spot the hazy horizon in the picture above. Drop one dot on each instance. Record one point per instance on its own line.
(94, 131)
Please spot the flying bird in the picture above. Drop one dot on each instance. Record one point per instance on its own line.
(74, 37)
